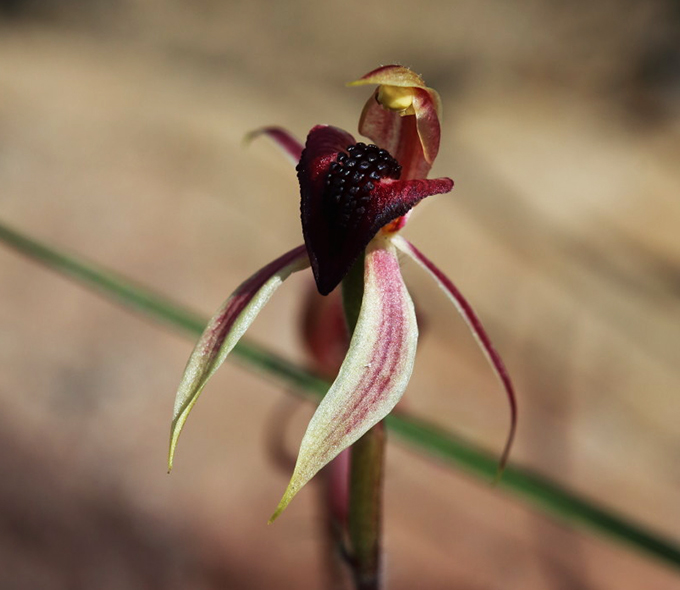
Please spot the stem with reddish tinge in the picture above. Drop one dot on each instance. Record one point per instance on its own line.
(366, 469)
(334, 503)
(365, 507)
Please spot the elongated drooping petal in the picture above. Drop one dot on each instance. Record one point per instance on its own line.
(375, 373)
(403, 116)
(282, 138)
(476, 328)
(348, 192)
(225, 329)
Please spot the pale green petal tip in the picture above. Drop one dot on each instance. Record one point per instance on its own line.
(175, 431)
(288, 495)
(171, 453)
(249, 137)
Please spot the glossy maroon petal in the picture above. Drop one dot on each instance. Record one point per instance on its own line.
(282, 138)
(333, 242)
(478, 331)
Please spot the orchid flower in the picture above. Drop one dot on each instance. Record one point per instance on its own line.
(355, 199)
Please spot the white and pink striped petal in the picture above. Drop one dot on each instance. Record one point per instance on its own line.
(478, 331)
(225, 329)
(375, 372)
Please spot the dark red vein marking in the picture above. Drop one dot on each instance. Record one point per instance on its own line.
(478, 330)
(390, 341)
(219, 327)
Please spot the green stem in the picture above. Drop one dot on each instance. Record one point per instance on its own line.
(538, 491)
(333, 529)
(365, 507)
(353, 293)
(366, 467)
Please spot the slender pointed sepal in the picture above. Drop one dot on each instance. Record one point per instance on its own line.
(477, 329)
(289, 144)
(225, 329)
(375, 372)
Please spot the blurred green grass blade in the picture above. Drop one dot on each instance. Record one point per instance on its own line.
(107, 283)
(534, 489)
(431, 440)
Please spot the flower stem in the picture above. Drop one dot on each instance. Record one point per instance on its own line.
(353, 293)
(365, 507)
(366, 468)
(334, 505)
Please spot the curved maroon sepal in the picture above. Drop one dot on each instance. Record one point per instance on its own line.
(335, 234)
(282, 138)
(478, 331)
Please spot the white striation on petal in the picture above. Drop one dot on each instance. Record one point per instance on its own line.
(225, 329)
(375, 371)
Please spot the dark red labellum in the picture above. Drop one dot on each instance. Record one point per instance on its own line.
(348, 186)
(348, 192)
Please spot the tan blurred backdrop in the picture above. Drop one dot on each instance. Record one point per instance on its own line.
(121, 127)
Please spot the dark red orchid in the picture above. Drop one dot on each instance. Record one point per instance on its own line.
(355, 198)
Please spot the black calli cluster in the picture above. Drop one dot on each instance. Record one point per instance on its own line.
(349, 183)
(348, 192)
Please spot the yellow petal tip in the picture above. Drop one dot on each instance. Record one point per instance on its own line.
(288, 495)
(279, 509)
(274, 516)
(249, 137)
(174, 437)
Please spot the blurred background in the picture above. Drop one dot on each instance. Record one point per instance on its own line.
(121, 127)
